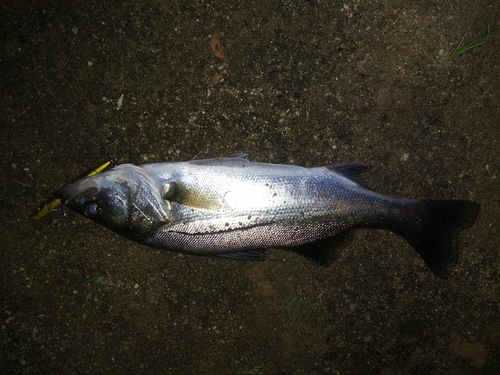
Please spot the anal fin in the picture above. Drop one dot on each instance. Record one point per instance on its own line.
(244, 255)
(325, 251)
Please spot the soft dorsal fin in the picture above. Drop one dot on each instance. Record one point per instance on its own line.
(354, 172)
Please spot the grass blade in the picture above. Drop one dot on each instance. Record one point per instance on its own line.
(472, 44)
(290, 303)
(92, 279)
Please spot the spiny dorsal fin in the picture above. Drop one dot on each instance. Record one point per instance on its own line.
(230, 160)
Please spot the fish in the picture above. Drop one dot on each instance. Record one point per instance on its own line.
(234, 208)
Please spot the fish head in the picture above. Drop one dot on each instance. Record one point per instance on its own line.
(126, 200)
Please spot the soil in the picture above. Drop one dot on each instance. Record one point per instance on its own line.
(298, 82)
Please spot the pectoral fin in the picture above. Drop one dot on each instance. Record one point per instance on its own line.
(176, 192)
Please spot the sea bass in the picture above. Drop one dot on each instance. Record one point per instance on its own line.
(235, 208)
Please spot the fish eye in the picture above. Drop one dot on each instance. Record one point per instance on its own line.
(93, 209)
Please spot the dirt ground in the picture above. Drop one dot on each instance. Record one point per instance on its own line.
(299, 82)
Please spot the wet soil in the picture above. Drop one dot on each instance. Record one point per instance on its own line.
(299, 82)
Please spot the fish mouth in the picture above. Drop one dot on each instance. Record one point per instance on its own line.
(59, 194)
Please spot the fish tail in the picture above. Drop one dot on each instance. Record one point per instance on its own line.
(435, 234)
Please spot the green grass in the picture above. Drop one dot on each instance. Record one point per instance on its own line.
(26, 190)
(92, 279)
(255, 371)
(472, 44)
(296, 306)
(301, 301)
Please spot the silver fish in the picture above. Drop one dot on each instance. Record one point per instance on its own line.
(236, 208)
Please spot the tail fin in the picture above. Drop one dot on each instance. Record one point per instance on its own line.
(435, 239)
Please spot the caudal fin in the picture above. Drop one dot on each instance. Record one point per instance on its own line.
(436, 237)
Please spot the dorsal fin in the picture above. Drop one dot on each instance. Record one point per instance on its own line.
(354, 172)
(230, 160)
